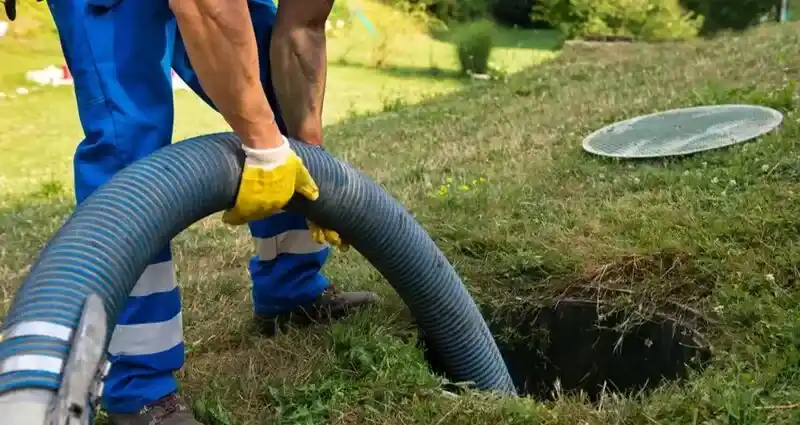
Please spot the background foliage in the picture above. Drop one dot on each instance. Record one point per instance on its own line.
(638, 19)
(615, 16)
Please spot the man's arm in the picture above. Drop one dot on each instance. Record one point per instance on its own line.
(222, 49)
(298, 65)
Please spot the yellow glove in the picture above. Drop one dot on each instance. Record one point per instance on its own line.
(269, 180)
(322, 236)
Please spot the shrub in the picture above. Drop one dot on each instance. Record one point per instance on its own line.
(450, 11)
(516, 13)
(639, 19)
(474, 42)
(506, 12)
(734, 15)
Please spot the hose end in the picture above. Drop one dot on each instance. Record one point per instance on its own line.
(26, 407)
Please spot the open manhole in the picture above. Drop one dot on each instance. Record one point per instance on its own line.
(575, 346)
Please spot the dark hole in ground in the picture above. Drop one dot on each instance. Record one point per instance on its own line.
(570, 343)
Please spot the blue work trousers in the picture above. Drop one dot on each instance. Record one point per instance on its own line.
(120, 53)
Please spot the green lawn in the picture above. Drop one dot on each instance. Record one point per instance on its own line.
(496, 174)
(415, 67)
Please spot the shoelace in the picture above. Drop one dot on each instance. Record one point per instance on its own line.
(168, 405)
(331, 291)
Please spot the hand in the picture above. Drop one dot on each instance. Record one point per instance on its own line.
(322, 236)
(269, 180)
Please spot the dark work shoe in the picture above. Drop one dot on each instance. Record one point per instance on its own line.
(170, 410)
(331, 305)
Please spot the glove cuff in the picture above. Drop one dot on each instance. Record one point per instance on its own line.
(268, 158)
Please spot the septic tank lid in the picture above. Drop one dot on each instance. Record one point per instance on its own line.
(682, 131)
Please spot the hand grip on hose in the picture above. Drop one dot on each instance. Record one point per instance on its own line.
(270, 179)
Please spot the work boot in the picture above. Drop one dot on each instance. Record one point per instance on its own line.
(170, 410)
(331, 305)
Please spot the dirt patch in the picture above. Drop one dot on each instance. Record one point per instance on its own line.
(583, 345)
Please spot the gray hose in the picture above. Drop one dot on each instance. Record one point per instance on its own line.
(111, 237)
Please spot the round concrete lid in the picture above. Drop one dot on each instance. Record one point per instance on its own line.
(682, 131)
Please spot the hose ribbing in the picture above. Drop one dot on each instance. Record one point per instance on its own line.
(111, 237)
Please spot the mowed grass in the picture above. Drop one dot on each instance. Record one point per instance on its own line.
(496, 174)
(400, 65)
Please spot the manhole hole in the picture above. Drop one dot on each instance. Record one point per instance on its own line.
(572, 346)
(682, 131)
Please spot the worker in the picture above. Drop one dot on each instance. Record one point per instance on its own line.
(263, 68)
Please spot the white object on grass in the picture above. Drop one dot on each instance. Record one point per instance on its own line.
(3, 28)
(49, 76)
(682, 131)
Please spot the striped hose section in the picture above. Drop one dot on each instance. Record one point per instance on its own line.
(110, 238)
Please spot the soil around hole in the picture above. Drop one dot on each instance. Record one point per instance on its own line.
(577, 345)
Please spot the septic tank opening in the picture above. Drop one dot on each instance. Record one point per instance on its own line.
(576, 345)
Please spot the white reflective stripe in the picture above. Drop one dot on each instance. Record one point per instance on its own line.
(33, 362)
(34, 328)
(156, 278)
(146, 338)
(289, 242)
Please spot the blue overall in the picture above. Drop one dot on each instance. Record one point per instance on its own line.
(120, 53)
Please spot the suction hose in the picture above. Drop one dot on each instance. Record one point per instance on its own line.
(108, 241)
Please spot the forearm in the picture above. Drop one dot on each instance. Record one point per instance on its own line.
(222, 49)
(298, 62)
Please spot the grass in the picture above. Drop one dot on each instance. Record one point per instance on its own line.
(31, 43)
(416, 67)
(496, 175)
(401, 63)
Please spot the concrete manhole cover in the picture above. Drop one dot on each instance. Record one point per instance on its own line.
(682, 131)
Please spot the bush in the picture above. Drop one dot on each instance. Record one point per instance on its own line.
(734, 15)
(639, 19)
(506, 12)
(450, 11)
(516, 13)
(474, 43)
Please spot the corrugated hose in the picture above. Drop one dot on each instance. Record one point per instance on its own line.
(110, 238)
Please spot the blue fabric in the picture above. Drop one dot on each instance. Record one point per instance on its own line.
(120, 53)
(290, 279)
